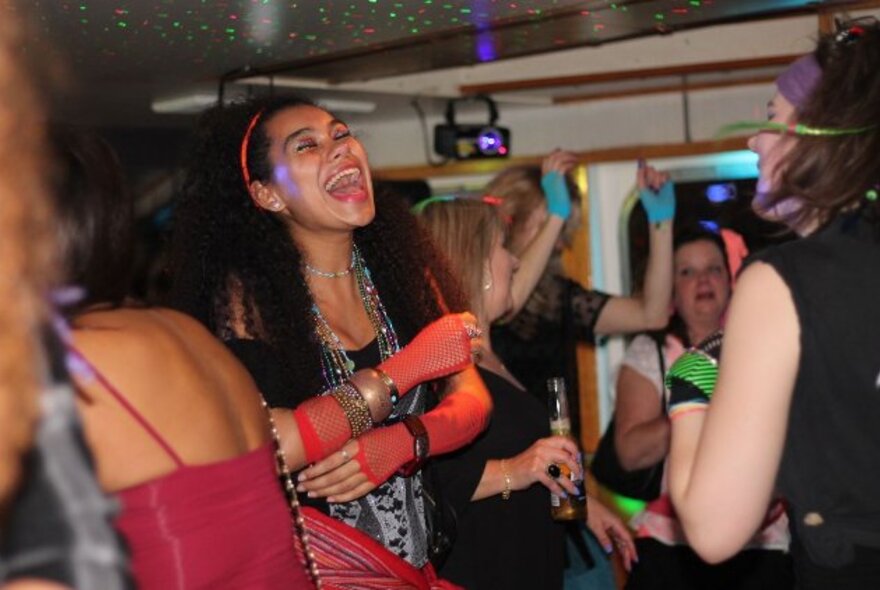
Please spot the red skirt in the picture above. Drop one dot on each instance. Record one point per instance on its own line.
(348, 559)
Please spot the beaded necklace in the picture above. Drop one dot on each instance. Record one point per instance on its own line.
(301, 538)
(335, 364)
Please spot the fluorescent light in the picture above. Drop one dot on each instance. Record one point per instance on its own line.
(190, 103)
(345, 105)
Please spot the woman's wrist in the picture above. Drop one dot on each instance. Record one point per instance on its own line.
(506, 480)
(376, 393)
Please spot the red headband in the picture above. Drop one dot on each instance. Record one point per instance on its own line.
(244, 148)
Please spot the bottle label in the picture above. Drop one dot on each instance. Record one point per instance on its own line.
(561, 427)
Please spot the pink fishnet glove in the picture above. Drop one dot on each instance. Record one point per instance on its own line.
(322, 425)
(456, 421)
(442, 348)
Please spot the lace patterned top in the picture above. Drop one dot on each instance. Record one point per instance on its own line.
(539, 342)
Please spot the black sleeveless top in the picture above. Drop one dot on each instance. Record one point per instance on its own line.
(511, 544)
(829, 472)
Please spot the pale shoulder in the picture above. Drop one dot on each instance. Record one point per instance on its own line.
(761, 288)
(145, 338)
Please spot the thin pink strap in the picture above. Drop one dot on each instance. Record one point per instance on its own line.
(127, 406)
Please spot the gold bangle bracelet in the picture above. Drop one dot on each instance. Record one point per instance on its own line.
(393, 393)
(374, 391)
(505, 494)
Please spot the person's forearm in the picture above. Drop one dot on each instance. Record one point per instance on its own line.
(533, 262)
(460, 416)
(493, 481)
(658, 275)
(643, 445)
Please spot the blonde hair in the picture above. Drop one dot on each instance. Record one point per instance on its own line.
(519, 188)
(26, 249)
(465, 230)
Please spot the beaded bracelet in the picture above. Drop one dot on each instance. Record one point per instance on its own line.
(355, 408)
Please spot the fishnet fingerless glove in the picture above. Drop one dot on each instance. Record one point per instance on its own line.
(440, 349)
(455, 422)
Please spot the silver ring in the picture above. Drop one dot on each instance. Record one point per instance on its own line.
(345, 457)
(472, 330)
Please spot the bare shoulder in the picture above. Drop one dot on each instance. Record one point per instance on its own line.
(761, 292)
(143, 339)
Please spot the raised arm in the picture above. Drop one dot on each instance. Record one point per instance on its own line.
(650, 310)
(728, 456)
(533, 260)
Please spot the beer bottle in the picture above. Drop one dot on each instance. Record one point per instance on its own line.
(571, 507)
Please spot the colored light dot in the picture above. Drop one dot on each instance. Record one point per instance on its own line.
(122, 24)
(176, 24)
(369, 31)
(414, 30)
(203, 27)
(465, 10)
(83, 7)
(392, 14)
(659, 16)
(694, 2)
(373, 1)
(230, 30)
(84, 21)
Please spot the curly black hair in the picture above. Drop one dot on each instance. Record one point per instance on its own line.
(227, 252)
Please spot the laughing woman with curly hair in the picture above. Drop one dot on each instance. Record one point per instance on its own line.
(282, 250)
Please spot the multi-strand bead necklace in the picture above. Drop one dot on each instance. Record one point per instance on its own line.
(335, 364)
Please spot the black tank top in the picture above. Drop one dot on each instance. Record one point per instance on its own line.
(829, 472)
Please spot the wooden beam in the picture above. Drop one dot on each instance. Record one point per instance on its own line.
(617, 76)
(680, 87)
(617, 154)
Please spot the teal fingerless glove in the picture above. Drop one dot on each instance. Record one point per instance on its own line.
(659, 206)
(692, 378)
(556, 192)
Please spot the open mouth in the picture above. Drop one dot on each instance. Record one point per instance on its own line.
(705, 296)
(346, 185)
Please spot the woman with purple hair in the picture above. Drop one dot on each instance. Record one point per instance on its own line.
(795, 407)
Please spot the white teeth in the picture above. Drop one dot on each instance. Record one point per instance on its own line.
(336, 178)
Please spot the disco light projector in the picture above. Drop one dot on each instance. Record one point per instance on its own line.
(471, 141)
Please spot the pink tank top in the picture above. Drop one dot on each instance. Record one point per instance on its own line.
(222, 525)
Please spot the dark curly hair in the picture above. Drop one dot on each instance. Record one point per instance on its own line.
(226, 252)
(831, 174)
